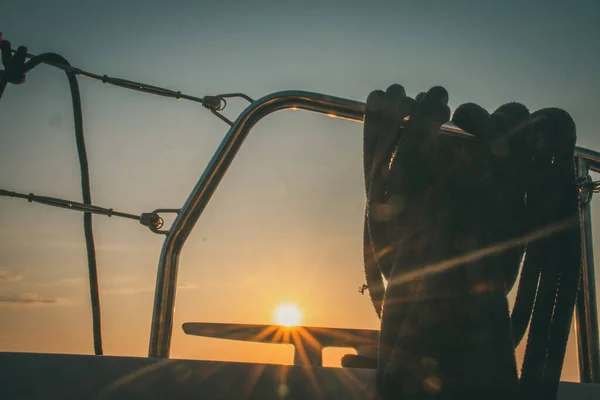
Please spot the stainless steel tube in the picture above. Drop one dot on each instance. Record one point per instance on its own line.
(592, 158)
(164, 300)
(166, 281)
(587, 306)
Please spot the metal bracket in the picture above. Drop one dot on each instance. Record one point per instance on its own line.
(154, 221)
(218, 103)
(363, 289)
(587, 188)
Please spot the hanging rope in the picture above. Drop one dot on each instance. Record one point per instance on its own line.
(528, 287)
(521, 179)
(15, 71)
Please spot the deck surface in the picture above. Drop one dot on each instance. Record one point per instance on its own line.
(59, 376)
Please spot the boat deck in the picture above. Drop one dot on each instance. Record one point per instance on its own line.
(59, 376)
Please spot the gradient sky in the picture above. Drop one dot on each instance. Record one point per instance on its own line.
(286, 222)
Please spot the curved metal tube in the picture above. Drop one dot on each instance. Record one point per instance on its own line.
(586, 318)
(166, 282)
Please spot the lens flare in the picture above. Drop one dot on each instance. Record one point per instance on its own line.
(288, 314)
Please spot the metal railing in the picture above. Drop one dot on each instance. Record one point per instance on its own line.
(166, 282)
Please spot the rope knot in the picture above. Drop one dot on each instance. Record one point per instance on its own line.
(14, 65)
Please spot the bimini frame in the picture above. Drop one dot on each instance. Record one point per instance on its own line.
(166, 282)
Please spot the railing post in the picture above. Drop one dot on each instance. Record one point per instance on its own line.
(587, 306)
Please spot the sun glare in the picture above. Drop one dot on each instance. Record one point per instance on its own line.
(288, 314)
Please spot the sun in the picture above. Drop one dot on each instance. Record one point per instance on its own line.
(288, 314)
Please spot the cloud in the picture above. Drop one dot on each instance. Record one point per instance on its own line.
(84, 281)
(126, 291)
(187, 286)
(40, 239)
(123, 278)
(7, 276)
(26, 298)
(63, 282)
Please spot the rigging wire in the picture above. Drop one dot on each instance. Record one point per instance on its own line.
(151, 219)
(71, 205)
(213, 103)
(15, 71)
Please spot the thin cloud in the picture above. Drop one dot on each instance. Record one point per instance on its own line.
(63, 282)
(7, 276)
(85, 281)
(26, 299)
(187, 286)
(42, 239)
(127, 291)
(123, 278)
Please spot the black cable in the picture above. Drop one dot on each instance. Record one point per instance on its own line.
(568, 258)
(525, 299)
(554, 196)
(3, 84)
(87, 199)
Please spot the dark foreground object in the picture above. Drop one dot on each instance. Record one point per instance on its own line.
(57, 376)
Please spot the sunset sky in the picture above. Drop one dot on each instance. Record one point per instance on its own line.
(285, 225)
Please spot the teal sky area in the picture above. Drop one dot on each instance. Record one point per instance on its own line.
(286, 222)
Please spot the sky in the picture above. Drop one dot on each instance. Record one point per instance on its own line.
(285, 225)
